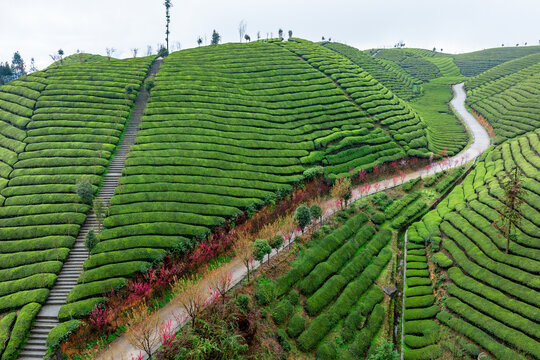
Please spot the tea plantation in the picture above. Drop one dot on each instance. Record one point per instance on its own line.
(232, 128)
(507, 96)
(201, 159)
(336, 275)
(492, 296)
(58, 126)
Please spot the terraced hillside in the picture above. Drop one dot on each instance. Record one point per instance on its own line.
(508, 96)
(17, 101)
(475, 63)
(445, 133)
(493, 296)
(387, 73)
(228, 129)
(334, 278)
(412, 61)
(59, 126)
(380, 104)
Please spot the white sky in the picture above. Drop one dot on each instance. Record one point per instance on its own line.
(38, 28)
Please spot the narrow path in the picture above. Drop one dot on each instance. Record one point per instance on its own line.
(46, 319)
(122, 349)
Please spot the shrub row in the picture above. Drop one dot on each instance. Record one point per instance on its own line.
(318, 253)
(397, 206)
(323, 323)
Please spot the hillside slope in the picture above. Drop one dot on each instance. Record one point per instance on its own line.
(65, 130)
(387, 73)
(508, 96)
(475, 63)
(228, 129)
(493, 296)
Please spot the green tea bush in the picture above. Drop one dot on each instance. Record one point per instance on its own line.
(265, 291)
(20, 330)
(296, 325)
(61, 332)
(22, 298)
(282, 311)
(499, 350)
(364, 338)
(442, 260)
(327, 351)
(283, 340)
(5, 329)
(79, 309)
(96, 288)
(242, 301)
(378, 218)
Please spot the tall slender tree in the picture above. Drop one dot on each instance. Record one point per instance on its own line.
(509, 212)
(17, 64)
(168, 5)
(216, 38)
(61, 55)
(242, 29)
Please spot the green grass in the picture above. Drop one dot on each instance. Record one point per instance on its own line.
(444, 130)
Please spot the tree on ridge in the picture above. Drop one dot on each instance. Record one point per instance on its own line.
(216, 38)
(509, 212)
(168, 5)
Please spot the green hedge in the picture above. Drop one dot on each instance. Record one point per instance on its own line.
(113, 270)
(496, 312)
(335, 262)
(323, 323)
(425, 353)
(29, 270)
(356, 317)
(22, 298)
(442, 260)
(138, 254)
(318, 252)
(96, 288)
(421, 313)
(5, 329)
(421, 333)
(419, 301)
(78, 309)
(492, 294)
(501, 331)
(363, 339)
(397, 206)
(20, 331)
(296, 325)
(500, 351)
(36, 281)
(61, 332)
(282, 311)
(332, 287)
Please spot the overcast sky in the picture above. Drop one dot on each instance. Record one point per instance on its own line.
(38, 28)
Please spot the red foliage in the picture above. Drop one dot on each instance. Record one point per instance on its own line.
(99, 317)
(362, 174)
(139, 356)
(166, 333)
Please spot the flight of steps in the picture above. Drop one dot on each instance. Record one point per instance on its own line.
(36, 347)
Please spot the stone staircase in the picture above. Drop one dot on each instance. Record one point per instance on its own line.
(46, 319)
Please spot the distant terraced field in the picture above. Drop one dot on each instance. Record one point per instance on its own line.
(388, 73)
(508, 96)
